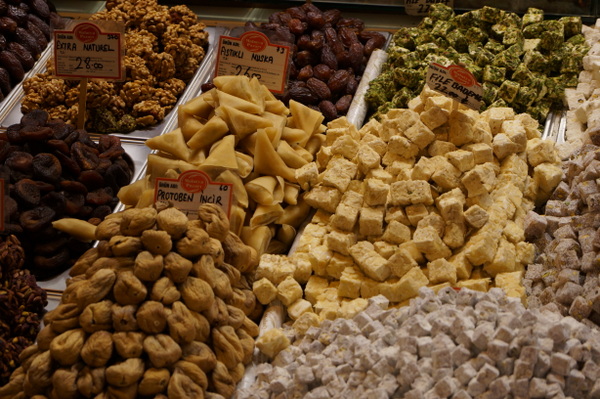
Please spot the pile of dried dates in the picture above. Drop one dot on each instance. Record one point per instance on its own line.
(24, 34)
(22, 302)
(51, 171)
(329, 56)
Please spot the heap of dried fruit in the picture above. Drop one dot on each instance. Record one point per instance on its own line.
(160, 307)
(164, 47)
(54, 171)
(24, 34)
(21, 305)
(329, 56)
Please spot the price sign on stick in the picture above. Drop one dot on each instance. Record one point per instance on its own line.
(253, 55)
(455, 82)
(87, 50)
(422, 7)
(192, 189)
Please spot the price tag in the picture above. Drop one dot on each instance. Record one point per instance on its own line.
(87, 51)
(421, 7)
(455, 82)
(192, 189)
(253, 55)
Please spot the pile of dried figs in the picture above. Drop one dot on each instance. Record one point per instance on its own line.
(51, 171)
(24, 34)
(329, 55)
(160, 308)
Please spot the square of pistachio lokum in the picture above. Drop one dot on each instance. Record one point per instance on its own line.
(572, 25)
(535, 61)
(513, 36)
(508, 91)
(491, 14)
(507, 59)
(494, 74)
(494, 46)
(475, 35)
(441, 12)
(490, 91)
(442, 28)
(525, 96)
(522, 74)
(457, 40)
(532, 16)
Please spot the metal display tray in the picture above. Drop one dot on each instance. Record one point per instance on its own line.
(10, 111)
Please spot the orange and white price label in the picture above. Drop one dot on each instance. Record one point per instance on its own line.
(422, 7)
(87, 51)
(455, 82)
(192, 189)
(253, 55)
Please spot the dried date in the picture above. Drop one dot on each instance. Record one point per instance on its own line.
(328, 110)
(343, 104)
(302, 94)
(355, 55)
(332, 16)
(375, 41)
(319, 87)
(328, 58)
(316, 20)
(297, 12)
(352, 85)
(305, 73)
(347, 36)
(322, 72)
(304, 58)
(338, 80)
(317, 40)
(296, 26)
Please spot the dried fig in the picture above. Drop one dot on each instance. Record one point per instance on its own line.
(39, 374)
(181, 324)
(90, 382)
(27, 192)
(173, 221)
(47, 167)
(91, 179)
(35, 133)
(123, 317)
(200, 354)
(100, 196)
(197, 294)
(128, 289)
(129, 344)
(201, 326)
(182, 387)
(193, 371)
(176, 267)
(157, 242)
(125, 373)
(86, 157)
(162, 350)
(96, 317)
(65, 348)
(98, 348)
(222, 381)
(36, 219)
(154, 381)
(44, 337)
(125, 245)
(227, 346)
(64, 317)
(164, 291)
(152, 317)
(148, 267)
(137, 220)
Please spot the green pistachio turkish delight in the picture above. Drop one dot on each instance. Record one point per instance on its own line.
(508, 91)
(572, 26)
(522, 61)
(532, 16)
(494, 74)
